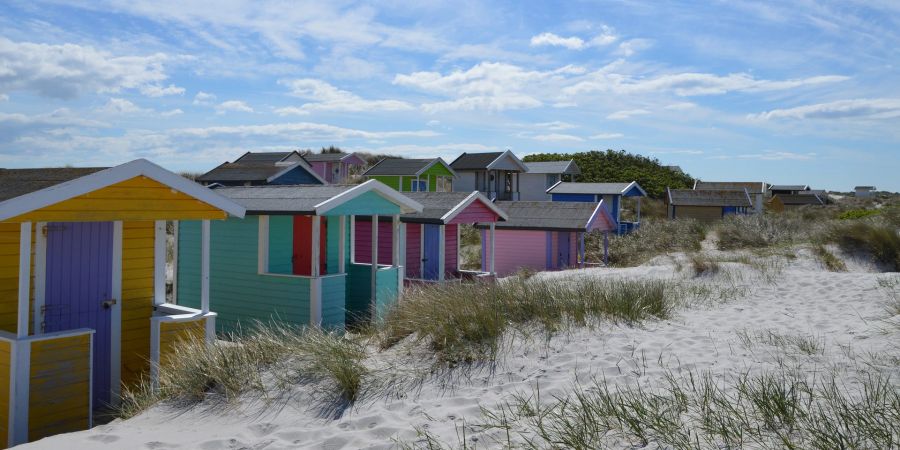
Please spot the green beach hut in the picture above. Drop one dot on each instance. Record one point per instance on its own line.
(413, 175)
(290, 258)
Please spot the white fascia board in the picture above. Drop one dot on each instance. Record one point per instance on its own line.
(435, 161)
(292, 167)
(475, 195)
(514, 158)
(598, 211)
(634, 184)
(98, 180)
(553, 187)
(406, 204)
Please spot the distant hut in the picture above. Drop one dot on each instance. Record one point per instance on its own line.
(863, 191)
(610, 193)
(786, 202)
(707, 205)
(413, 175)
(541, 235)
(756, 189)
(543, 175)
(263, 168)
(787, 189)
(335, 167)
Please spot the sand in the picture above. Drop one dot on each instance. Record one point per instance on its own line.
(845, 311)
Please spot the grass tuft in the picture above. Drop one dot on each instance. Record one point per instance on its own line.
(828, 259)
(655, 237)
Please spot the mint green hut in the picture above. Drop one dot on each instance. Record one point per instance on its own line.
(413, 175)
(289, 259)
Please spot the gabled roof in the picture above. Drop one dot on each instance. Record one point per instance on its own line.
(553, 167)
(410, 167)
(555, 216)
(563, 187)
(16, 182)
(309, 199)
(753, 187)
(865, 188)
(708, 197)
(95, 179)
(443, 207)
(333, 157)
(788, 187)
(258, 167)
(799, 199)
(483, 161)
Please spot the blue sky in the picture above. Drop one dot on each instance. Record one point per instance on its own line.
(786, 92)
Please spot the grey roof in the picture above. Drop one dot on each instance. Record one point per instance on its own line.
(753, 187)
(474, 161)
(870, 188)
(708, 197)
(589, 188)
(397, 166)
(269, 157)
(325, 157)
(253, 167)
(558, 216)
(16, 182)
(788, 187)
(549, 167)
(798, 199)
(434, 205)
(297, 199)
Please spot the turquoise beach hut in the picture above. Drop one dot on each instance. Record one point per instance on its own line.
(290, 258)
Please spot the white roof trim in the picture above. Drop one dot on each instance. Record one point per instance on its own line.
(600, 210)
(554, 185)
(292, 167)
(406, 204)
(634, 183)
(433, 162)
(515, 159)
(475, 195)
(140, 167)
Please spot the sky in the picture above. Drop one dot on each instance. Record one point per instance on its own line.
(789, 92)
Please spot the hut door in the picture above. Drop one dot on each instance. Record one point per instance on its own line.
(430, 263)
(302, 255)
(79, 290)
(563, 249)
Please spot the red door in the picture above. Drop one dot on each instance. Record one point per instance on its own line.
(303, 250)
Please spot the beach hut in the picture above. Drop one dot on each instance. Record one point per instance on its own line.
(544, 175)
(335, 167)
(430, 239)
(413, 175)
(289, 259)
(83, 296)
(541, 235)
(495, 174)
(756, 189)
(707, 205)
(257, 169)
(787, 189)
(786, 202)
(610, 193)
(863, 191)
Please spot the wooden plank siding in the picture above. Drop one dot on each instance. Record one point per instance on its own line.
(173, 334)
(474, 213)
(701, 213)
(413, 250)
(359, 293)
(334, 294)
(5, 377)
(59, 394)
(238, 293)
(518, 249)
(9, 276)
(137, 299)
(450, 256)
(137, 199)
(386, 291)
(364, 241)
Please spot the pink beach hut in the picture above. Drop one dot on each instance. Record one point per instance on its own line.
(542, 236)
(335, 167)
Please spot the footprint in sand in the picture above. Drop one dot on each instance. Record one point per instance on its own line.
(263, 429)
(156, 445)
(104, 438)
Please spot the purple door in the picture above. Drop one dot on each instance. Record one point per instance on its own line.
(79, 282)
(564, 249)
(430, 263)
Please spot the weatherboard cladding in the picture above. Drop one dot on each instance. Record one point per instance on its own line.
(435, 205)
(589, 188)
(474, 161)
(16, 182)
(553, 167)
(722, 197)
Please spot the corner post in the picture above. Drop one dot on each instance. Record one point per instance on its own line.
(204, 266)
(493, 246)
(24, 278)
(442, 253)
(40, 275)
(374, 261)
(342, 244)
(159, 262)
(606, 248)
(315, 283)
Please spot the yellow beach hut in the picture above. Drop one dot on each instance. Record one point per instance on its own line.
(82, 288)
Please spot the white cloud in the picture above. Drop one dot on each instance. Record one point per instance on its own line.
(298, 130)
(607, 136)
(690, 84)
(68, 70)
(204, 98)
(173, 112)
(879, 108)
(325, 97)
(291, 111)
(160, 91)
(233, 105)
(446, 151)
(4, 97)
(484, 102)
(555, 125)
(571, 43)
(120, 106)
(433, 123)
(61, 117)
(557, 137)
(605, 38)
(627, 114)
(681, 106)
(632, 46)
(778, 156)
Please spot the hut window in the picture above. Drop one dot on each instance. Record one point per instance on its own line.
(552, 178)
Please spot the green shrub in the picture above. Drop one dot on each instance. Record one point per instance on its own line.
(880, 240)
(655, 237)
(858, 214)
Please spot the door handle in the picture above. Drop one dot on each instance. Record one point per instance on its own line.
(109, 303)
